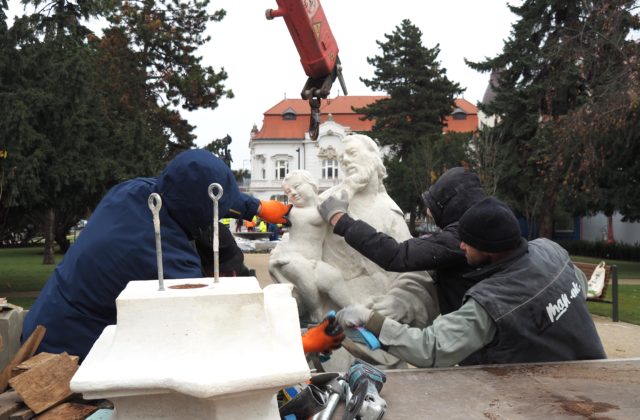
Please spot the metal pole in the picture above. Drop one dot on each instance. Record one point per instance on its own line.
(155, 204)
(216, 238)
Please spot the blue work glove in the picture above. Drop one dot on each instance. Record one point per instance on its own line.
(354, 316)
(333, 205)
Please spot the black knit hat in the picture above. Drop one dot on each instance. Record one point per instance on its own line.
(490, 226)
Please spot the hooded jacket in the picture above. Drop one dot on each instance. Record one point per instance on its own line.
(118, 245)
(448, 198)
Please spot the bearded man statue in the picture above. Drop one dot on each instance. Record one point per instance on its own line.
(411, 297)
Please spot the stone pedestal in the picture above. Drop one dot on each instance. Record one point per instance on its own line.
(215, 352)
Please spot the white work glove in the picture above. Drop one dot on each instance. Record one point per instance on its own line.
(332, 205)
(390, 306)
(353, 316)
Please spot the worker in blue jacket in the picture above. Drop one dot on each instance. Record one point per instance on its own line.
(118, 245)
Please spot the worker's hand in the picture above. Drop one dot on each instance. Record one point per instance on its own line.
(333, 206)
(323, 338)
(273, 211)
(354, 316)
(390, 306)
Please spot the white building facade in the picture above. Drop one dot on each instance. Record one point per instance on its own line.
(271, 160)
(283, 144)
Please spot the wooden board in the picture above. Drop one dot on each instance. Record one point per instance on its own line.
(25, 352)
(22, 414)
(10, 402)
(46, 384)
(68, 411)
(36, 360)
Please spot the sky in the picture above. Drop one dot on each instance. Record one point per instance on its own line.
(264, 67)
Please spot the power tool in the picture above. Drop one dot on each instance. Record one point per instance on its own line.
(363, 400)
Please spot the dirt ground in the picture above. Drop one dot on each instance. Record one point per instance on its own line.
(620, 340)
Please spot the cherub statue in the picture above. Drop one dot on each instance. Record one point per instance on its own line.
(298, 260)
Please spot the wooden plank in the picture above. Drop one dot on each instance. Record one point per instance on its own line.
(22, 414)
(36, 360)
(68, 411)
(10, 402)
(46, 384)
(25, 351)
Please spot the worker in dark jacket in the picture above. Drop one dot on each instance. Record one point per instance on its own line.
(447, 199)
(118, 245)
(528, 305)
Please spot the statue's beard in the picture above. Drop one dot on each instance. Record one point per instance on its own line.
(360, 176)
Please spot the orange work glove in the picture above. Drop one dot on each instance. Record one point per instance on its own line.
(318, 340)
(273, 211)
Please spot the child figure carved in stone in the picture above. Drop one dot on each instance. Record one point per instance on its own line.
(299, 260)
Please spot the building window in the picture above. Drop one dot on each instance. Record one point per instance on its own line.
(264, 173)
(329, 169)
(459, 114)
(282, 168)
(289, 114)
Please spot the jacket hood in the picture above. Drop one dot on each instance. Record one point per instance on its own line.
(452, 194)
(183, 186)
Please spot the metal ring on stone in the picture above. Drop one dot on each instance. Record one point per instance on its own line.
(155, 202)
(213, 196)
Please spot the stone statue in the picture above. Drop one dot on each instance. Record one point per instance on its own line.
(415, 292)
(312, 242)
(298, 260)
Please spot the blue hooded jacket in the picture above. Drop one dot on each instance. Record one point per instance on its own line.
(118, 245)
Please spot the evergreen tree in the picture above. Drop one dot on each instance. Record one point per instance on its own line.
(51, 120)
(79, 113)
(410, 122)
(220, 148)
(162, 37)
(562, 71)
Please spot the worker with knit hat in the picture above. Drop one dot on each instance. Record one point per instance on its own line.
(527, 305)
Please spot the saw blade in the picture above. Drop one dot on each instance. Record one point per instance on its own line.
(354, 405)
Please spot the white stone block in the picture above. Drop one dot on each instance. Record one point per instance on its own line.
(199, 351)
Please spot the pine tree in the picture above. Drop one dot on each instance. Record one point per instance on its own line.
(162, 37)
(562, 71)
(79, 112)
(410, 122)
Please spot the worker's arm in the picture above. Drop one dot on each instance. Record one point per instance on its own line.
(424, 253)
(246, 207)
(448, 341)
(273, 211)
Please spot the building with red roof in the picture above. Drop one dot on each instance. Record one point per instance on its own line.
(283, 143)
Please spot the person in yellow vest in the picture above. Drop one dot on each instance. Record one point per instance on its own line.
(262, 226)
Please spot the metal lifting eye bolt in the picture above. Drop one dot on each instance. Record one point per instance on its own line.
(155, 204)
(216, 238)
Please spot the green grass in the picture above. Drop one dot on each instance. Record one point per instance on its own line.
(628, 304)
(23, 302)
(626, 269)
(21, 269)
